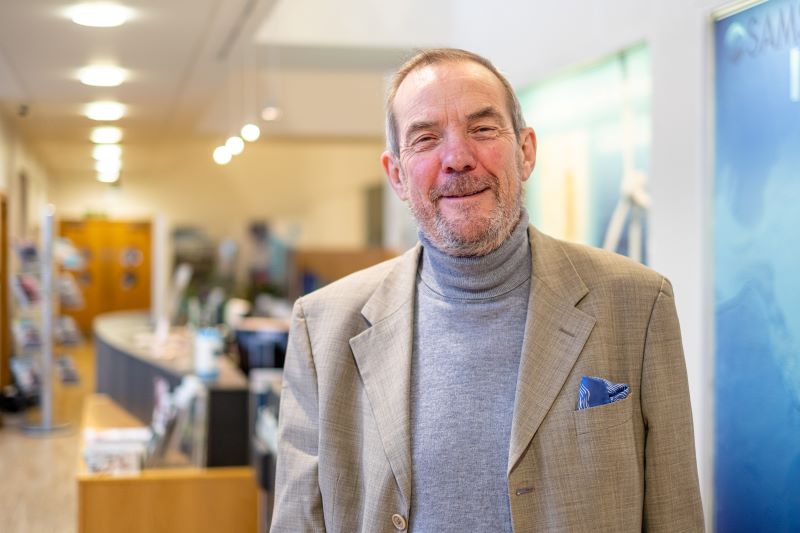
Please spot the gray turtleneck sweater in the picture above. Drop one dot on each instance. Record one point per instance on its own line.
(468, 326)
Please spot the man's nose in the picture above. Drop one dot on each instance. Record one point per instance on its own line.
(457, 156)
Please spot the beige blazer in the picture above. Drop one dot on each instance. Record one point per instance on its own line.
(344, 459)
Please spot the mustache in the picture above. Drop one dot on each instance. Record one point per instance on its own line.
(461, 185)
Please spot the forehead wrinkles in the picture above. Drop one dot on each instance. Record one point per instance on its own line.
(446, 92)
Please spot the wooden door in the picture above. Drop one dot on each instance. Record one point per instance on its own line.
(130, 265)
(116, 273)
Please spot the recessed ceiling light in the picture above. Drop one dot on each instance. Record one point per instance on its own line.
(102, 76)
(105, 111)
(235, 145)
(250, 132)
(108, 177)
(100, 14)
(270, 113)
(221, 155)
(106, 135)
(104, 152)
(108, 166)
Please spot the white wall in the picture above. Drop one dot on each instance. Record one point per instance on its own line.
(538, 39)
(5, 155)
(15, 158)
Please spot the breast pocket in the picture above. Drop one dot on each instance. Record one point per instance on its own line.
(604, 417)
(611, 464)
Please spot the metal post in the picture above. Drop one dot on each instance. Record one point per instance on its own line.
(47, 317)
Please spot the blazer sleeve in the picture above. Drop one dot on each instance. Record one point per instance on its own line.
(672, 494)
(298, 502)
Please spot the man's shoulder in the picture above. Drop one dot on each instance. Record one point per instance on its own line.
(351, 292)
(599, 268)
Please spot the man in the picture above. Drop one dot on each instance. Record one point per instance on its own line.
(440, 391)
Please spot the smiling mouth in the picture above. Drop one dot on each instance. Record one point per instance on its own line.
(464, 195)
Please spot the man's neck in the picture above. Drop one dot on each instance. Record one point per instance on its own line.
(482, 276)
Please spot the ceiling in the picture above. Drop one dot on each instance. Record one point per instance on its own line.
(198, 69)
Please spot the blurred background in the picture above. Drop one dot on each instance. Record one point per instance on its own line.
(186, 169)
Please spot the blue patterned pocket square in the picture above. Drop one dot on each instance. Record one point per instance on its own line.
(599, 391)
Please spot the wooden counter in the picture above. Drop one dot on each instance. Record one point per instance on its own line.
(169, 500)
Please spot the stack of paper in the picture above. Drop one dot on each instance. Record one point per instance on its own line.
(115, 451)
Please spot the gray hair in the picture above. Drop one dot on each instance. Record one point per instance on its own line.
(434, 56)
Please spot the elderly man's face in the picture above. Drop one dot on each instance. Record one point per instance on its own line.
(460, 166)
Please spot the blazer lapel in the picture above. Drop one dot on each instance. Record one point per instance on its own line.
(383, 355)
(555, 333)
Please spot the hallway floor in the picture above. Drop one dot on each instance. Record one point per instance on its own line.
(37, 472)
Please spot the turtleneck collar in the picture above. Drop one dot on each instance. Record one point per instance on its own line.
(478, 278)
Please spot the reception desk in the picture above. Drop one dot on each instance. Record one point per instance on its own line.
(128, 361)
(164, 500)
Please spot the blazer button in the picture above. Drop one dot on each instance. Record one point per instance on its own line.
(399, 522)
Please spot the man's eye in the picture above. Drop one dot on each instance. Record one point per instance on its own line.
(425, 139)
(484, 131)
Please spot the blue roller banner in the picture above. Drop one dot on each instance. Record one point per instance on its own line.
(757, 269)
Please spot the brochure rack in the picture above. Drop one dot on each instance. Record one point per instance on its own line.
(46, 423)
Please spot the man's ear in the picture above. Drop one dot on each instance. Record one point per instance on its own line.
(527, 141)
(392, 169)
